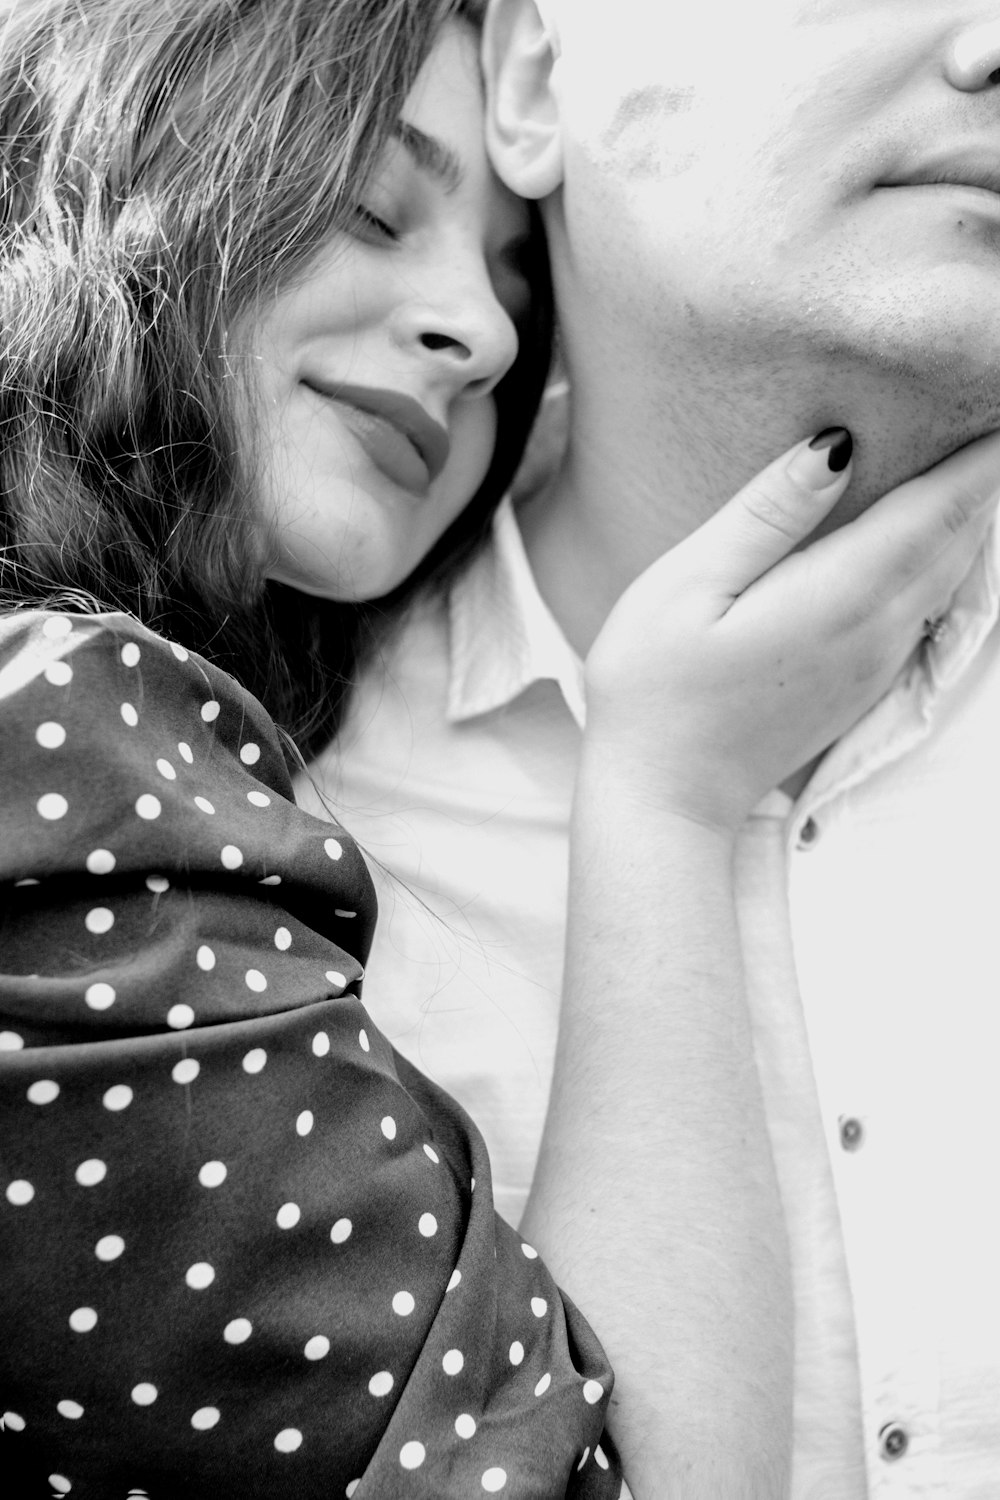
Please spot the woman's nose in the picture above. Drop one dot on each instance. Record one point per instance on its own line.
(972, 62)
(463, 326)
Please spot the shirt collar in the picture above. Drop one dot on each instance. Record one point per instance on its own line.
(503, 636)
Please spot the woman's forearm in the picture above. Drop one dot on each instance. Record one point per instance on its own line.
(655, 1199)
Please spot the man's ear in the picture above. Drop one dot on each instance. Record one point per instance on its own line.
(520, 49)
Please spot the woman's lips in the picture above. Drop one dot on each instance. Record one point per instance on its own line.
(394, 430)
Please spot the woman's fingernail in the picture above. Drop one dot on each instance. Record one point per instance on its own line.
(838, 446)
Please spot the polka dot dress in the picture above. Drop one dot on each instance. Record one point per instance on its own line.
(248, 1250)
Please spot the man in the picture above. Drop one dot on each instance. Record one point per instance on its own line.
(766, 217)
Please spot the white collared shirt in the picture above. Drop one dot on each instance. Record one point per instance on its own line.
(868, 912)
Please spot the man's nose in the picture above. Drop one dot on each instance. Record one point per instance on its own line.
(973, 59)
(463, 327)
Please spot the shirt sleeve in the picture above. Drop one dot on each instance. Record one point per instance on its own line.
(248, 1250)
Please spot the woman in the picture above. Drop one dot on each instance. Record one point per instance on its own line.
(249, 1250)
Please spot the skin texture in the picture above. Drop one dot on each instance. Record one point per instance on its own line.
(731, 270)
(420, 301)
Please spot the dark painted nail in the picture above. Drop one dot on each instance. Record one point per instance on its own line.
(839, 445)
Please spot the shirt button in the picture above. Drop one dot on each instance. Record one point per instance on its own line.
(808, 833)
(852, 1133)
(893, 1442)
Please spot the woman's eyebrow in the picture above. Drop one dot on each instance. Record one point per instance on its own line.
(431, 155)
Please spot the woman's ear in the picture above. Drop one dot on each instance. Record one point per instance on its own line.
(520, 50)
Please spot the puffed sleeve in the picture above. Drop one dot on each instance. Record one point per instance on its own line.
(247, 1250)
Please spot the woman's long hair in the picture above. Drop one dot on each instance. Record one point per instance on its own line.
(162, 164)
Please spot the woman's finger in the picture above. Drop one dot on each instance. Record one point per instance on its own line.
(771, 515)
(928, 524)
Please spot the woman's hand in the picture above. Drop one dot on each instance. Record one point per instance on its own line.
(741, 655)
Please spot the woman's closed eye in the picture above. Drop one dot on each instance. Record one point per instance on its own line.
(372, 227)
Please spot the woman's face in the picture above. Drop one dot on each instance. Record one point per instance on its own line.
(373, 415)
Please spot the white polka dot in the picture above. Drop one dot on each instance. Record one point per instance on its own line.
(381, 1384)
(289, 1441)
(43, 1092)
(205, 1418)
(539, 1306)
(199, 1276)
(283, 939)
(186, 1071)
(254, 1061)
(494, 1480)
(180, 1017)
(335, 978)
(366, 1045)
(10, 1041)
(158, 884)
(52, 806)
(529, 1252)
(432, 1155)
(255, 981)
(61, 1483)
(334, 849)
(59, 673)
(184, 751)
(110, 1247)
(271, 880)
(178, 651)
(100, 996)
(238, 1331)
(14, 1421)
(341, 1231)
(99, 920)
(205, 959)
(118, 1098)
(250, 755)
(259, 799)
(101, 862)
(129, 714)
(148, 807)
(50, 735)
(352, 1489)
(456, 1277)
(231, 857)
(321, 1044)
(305, 1122)
(131, 654)
(20, 1192)
(543, 1385)
(166, 770)
(71, 1409)
(203, 805)
(601, 1458)
(516, 1352)
(288, 1216)
(583, 1461)
(388, 1128)
(403, 1304)
(144, 1394)
(213, 1174)
(90, 1173)
(210, 711)
(428, 1226)
(465, 1426)
(83, 1320)
(57, 627)
(453, 1362)
(412, 1455)
(593, 1391)
(317, 1348)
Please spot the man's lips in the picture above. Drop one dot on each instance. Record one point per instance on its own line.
(398, 435)
(972, 170)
